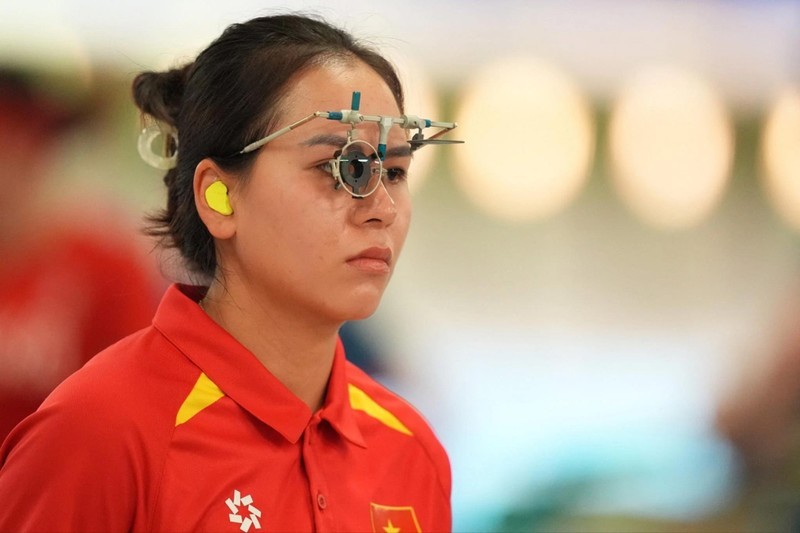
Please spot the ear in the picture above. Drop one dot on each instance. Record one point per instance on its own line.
(219, 224)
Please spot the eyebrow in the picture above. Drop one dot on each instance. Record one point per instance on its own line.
(338, 141)
(399, 151)
(326, 139)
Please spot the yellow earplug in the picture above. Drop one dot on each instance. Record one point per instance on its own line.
(217, 198)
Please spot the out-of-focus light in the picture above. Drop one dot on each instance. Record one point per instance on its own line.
(671, 143)
(780, 147)
(529, 136)
(54, 50)
(420, 100)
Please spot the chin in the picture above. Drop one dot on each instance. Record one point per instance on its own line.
(360, 312)
(359, 307)
(353, 302)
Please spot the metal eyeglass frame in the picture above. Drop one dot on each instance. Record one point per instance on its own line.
(348, 167)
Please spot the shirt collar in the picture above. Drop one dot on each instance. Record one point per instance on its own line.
(242, 377)
(337, 410)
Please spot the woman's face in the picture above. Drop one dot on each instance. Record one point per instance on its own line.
(299, 243)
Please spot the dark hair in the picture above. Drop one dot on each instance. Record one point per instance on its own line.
(228, 97)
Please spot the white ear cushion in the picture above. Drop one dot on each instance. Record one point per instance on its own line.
(151, 155)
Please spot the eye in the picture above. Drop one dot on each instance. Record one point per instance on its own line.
(395, 174)
(326, 167)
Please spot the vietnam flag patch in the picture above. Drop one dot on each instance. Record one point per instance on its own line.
(388, 519)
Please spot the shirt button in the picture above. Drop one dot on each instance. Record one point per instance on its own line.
(321, 501)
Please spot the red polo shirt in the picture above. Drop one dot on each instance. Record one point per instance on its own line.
(178, 427)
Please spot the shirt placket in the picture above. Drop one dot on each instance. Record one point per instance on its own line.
(321, 499)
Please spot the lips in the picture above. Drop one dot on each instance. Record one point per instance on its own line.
(372, 260)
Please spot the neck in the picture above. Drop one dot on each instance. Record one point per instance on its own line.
(296, 350)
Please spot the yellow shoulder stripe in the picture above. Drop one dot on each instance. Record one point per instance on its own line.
(204, 393)
(360, 401)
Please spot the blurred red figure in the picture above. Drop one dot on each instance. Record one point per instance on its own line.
(68, 286)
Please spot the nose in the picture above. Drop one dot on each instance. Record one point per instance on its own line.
(378, 208)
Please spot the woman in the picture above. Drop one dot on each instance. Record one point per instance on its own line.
(236, 410)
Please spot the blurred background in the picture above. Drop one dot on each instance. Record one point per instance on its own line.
(598, 307)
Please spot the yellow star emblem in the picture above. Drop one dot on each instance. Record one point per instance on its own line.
(389, 528)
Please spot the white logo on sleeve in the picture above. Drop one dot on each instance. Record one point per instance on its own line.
(245, 505)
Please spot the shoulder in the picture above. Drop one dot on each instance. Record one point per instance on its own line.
(92, 449)
(128, 392)
(122, 389)
(130, 380)
(391, 409)
(86, 457)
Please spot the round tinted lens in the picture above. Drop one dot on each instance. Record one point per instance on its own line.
(359, 172)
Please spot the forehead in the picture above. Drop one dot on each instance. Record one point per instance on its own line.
(329, 87)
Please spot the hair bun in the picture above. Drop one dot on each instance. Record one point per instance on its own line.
(159, 94)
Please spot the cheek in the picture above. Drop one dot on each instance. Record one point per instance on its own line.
(313, 229)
